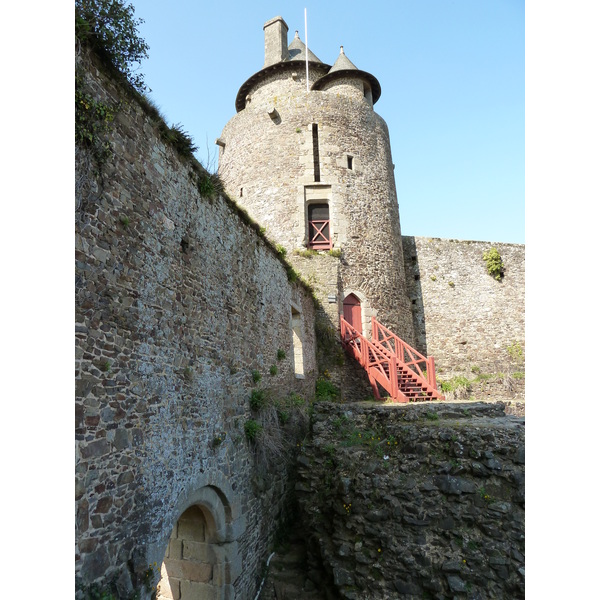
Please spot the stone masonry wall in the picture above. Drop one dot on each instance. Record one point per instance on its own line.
(178, 301)
(419, 501)
(462, 315)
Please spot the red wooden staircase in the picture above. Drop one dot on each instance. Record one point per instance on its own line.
(405, 374)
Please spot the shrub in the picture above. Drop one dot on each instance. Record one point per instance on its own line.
(325, 390)
(110, 29)
(495, 266)
(258, 400)
(273, 370)
(252, 429)
(256, 376)
(280, 354)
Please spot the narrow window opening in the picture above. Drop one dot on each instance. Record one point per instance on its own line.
(297, 342)
(241, 192)
(350, 161)
(319, 230)
(315, 135)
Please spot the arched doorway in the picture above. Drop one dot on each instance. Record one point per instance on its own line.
(352, 312)
(201, 559)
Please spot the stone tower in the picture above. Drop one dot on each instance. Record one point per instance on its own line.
(312, 164)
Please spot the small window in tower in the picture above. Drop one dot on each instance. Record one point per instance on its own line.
(319, 230)
(241, 192)
(350, 161)
(315, 136)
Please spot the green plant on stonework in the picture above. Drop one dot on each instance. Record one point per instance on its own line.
(280, 354)
(252, 429)
(206, 186)
(181, 141)
(456, 388)
(484, 495)
(281, 250)
(256, 376)
(515, 351)
(273, 370)
(218, 439)
(292, 275)
(432, 416)
(495, 266)
(325, 390)
(335, 252)
(109, 28)
(105, 366)
(258, 400)
(308, 253)
(124, 220)
(451, 284)
(433, 278)
(93, 121)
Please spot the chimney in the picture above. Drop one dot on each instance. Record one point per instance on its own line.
(276, 46)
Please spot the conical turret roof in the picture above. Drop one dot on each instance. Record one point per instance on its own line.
(344, 67)
(343, 63)
(297, 50)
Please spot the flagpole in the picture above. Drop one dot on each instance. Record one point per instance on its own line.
(306, 43)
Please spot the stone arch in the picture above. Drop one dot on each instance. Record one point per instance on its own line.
(367, 311)
(200, 556)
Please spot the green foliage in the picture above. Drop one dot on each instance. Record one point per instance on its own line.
(433, 278)
(280, 354)
(495, 266)
(308, 253)
(335, 252)
(181, 141)
(252, 429)
(451, 284)
(281, 250)
(454, 384)
(256, 376)
(92, 121)
(258, 400)
(432, 416)
(292, 275)
(105, 366)
(325, 390)
(110, 29)
(124, 220)
(208, 185)
(515, 351)
(273, 370)
(219, 439)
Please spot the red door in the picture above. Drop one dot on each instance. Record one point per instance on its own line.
(352, 312)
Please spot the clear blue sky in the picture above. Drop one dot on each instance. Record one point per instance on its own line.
(452, 74)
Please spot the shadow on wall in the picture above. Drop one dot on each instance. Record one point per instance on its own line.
(413, 281)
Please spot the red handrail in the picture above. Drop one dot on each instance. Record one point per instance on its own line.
(392, 343)
(381, 367)
(385, 359)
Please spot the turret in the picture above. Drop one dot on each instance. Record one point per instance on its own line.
(314, 167)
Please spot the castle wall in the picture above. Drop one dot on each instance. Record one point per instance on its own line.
(415, 501)
(268, 164)
(178, 301)
(463, 316)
